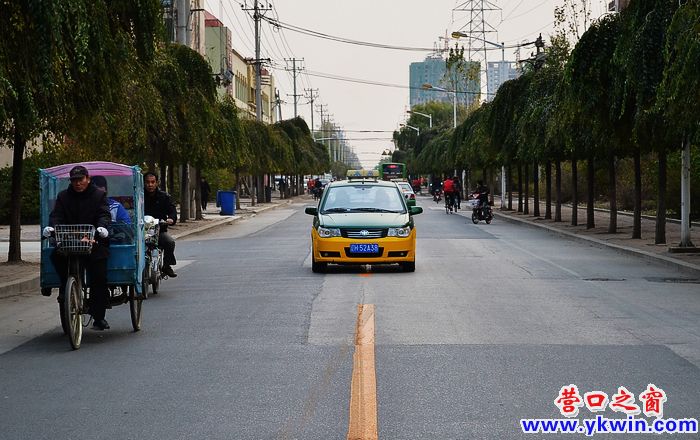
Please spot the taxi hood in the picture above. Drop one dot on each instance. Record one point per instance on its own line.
(364, 220)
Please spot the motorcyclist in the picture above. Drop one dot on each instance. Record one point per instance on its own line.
(83, 203)
(483, 194)
(158, 204)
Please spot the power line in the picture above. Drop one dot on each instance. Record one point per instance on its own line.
(317, 34)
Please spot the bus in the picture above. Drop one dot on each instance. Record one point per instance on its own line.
(392, 171)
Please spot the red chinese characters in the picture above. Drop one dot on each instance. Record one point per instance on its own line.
(596, 401)
(623, 401)
(653, 398)
(569, 401)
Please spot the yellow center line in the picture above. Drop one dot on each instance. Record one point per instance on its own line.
(363, 388)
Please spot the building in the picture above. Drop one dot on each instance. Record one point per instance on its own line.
(433, 71)
(235, 74)
(219, 53)
(497, 73)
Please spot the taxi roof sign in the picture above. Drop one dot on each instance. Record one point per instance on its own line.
(362, 174)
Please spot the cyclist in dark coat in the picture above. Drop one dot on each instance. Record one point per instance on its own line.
(84, 203)
(159, 204)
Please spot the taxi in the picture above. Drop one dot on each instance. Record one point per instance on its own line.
(363, 220)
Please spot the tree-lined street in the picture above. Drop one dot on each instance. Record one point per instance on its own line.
(495, 320)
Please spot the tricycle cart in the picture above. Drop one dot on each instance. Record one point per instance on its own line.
(125, 266)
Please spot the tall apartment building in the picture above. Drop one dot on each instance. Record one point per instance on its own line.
(432, 71)
(497, 73)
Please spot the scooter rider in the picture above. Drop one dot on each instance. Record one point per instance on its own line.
(483, 194)
(159, 204)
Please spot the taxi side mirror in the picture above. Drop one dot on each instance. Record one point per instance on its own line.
(413, 210)
(312, 210)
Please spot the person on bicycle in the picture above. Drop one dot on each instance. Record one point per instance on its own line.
(158, 204)
(83, 203)
(458, 192)
(448, 188)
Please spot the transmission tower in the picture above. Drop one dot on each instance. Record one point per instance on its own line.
(476, 14)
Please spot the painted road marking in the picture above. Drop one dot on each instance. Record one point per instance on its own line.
(363, 388)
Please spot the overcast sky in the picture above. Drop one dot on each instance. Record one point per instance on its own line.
(408, 23)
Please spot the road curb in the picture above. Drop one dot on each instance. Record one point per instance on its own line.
(32, 283)
(649, 256)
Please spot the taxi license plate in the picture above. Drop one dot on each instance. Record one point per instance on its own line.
(364, 248)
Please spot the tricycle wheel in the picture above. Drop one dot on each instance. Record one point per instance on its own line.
(144, 284)
(72, 312)
(62, 314)
(135, 308)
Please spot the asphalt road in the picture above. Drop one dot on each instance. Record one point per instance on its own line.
(248, 343)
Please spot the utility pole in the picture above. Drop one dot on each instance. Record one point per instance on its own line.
(257, 16)
(278, 103)
(313, 94)
(294, 71)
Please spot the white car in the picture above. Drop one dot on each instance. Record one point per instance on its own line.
(408, 193)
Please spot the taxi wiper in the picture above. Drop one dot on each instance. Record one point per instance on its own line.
(373, 210)
(335, 210)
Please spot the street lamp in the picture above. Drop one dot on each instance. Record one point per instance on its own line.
(502, 46)
(427, 86)
(430, 117)
(411, 127)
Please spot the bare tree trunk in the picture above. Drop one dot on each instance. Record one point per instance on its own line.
(184, 193)
(198, 194)
(660, 233)
(612, 175)
(14, 253)
(557, 183)
(237, 186)
(526, 207)
(536, 189)
(509, 182)
(637, 223)
(520, 187)
(548, 190)
(574, 192)
(590, 212)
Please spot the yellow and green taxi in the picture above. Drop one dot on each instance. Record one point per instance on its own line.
(363, 220)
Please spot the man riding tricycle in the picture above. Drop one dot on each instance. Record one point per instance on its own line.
(93, 248)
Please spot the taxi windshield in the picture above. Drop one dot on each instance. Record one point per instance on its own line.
(363, 198)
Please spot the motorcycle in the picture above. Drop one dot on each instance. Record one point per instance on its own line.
(481, 209)
(153, 270)
(437, 195)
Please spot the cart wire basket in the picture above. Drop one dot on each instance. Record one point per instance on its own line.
(75, 239)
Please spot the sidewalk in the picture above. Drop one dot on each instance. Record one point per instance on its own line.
(16, 279)
(620, 241)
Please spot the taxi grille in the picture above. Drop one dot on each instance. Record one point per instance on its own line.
(363, 233)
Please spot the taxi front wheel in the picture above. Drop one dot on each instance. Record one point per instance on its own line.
(317, 267)
(409, 266)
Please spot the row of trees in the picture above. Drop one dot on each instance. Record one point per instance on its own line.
(95, 80)
(629, 88)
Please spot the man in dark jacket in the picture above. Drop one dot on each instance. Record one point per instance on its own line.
(158, 204)
(84, 203)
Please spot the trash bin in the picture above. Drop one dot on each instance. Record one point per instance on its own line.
(268, 194)
(227, 201)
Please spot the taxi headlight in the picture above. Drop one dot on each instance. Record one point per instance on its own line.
(399, 232)
(328, 232)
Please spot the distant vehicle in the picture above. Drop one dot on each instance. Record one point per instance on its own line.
(408, 193)
(392, 171)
